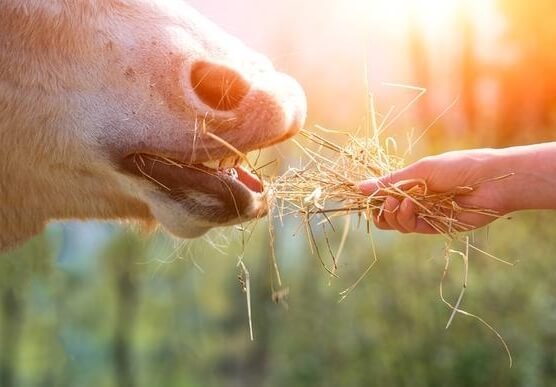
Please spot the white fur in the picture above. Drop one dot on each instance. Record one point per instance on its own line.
(85, 82)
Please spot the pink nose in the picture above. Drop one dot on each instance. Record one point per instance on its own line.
(217, 86)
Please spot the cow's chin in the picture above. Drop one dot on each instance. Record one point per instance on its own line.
(189, 199)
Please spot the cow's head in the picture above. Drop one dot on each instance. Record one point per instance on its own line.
(111, 95)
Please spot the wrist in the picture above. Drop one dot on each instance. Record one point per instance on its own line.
(532, 184)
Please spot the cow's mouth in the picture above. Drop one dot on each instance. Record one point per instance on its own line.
(217, 192)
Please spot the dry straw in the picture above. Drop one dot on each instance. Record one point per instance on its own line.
(326, 187)
(327, 184)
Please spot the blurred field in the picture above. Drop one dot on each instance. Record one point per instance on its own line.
(114, 316)
(102, 305)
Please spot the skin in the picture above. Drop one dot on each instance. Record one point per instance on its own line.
(532, 184)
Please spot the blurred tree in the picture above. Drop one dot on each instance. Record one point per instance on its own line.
(12, 316)
(469, 67)
(418, 57)
(18, 268)
(121, 262)
(528, 84)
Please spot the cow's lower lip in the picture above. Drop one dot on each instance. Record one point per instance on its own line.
(238, 191)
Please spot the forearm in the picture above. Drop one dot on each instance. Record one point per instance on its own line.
(533, 185)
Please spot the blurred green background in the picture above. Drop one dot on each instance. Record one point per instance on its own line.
(89, 304)
(97, 305)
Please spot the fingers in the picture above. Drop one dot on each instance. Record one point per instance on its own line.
(401, 216)
(390, 213)
(398, 215)
(407, 215)
(395, 214)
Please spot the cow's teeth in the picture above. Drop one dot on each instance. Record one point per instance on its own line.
(228, 162)
(232, 172)
(212, 164)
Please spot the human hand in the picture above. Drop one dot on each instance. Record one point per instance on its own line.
(476, 168)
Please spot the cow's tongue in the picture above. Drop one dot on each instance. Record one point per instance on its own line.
(249, 180)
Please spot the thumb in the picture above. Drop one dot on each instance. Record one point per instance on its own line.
(375, 185)
(370, 186)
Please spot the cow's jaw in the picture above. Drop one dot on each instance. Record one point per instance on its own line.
(189, 199)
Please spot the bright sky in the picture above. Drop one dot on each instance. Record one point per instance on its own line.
(333, 40)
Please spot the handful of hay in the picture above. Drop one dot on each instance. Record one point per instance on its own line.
(327, 184)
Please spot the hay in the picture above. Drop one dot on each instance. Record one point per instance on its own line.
(327, 184)
(326, 187)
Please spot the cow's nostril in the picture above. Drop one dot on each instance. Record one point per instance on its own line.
(218, 86)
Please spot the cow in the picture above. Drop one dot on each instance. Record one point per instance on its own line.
(137, 110)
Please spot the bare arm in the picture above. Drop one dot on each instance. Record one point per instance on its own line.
(532, 185)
